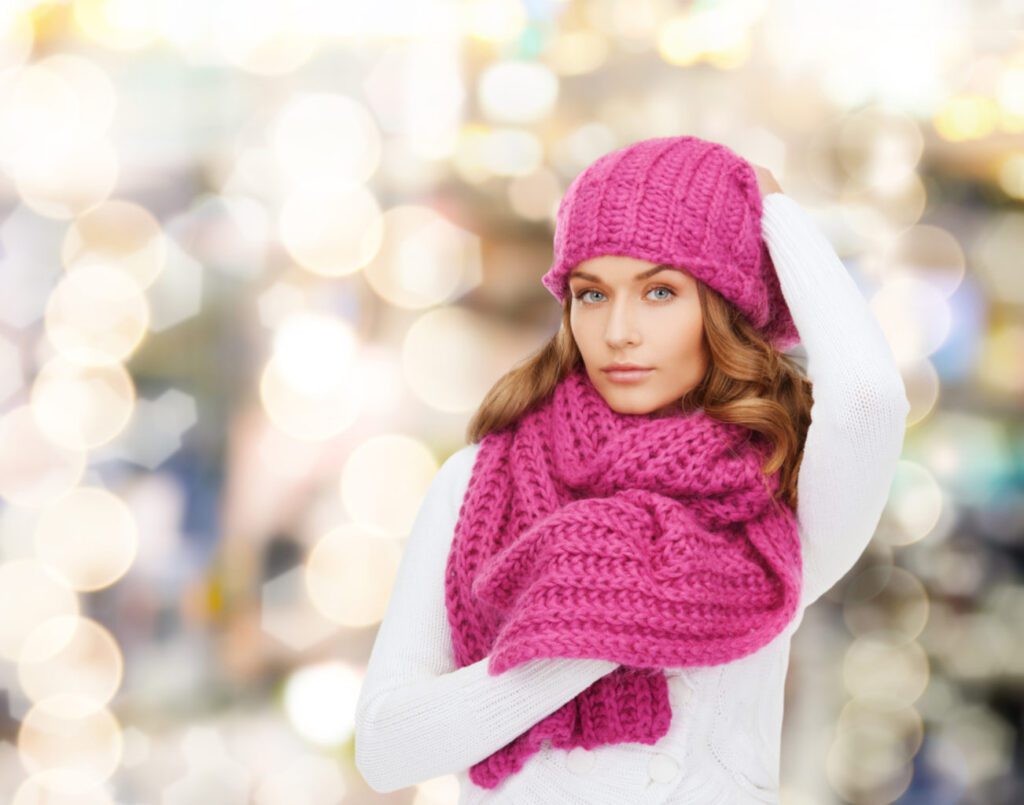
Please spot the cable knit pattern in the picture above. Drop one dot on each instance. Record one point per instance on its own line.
(648, 541)
(682, 200)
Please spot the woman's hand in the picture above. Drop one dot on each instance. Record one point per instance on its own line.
(766, 182)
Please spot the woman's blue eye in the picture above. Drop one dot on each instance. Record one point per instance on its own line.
(672, 293)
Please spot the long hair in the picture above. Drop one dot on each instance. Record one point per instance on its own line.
(748, 382)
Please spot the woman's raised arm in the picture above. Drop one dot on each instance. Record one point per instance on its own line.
(858, 418)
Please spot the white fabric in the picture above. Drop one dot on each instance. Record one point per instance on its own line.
(419, 717)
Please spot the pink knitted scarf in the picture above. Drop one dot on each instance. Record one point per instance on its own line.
(649, 541)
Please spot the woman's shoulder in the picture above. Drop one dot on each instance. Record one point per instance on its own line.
(456, 470)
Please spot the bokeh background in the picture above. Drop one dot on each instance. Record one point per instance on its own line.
(260, 260)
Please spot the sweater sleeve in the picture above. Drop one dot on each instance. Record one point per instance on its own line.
(417, 715)
(858, 417)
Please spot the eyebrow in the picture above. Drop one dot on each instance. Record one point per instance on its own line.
(642, 275)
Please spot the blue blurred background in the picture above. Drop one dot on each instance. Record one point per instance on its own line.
(260, 260)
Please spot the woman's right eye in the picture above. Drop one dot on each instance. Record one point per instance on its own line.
(581, 294)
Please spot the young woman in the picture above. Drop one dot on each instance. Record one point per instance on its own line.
(597, 599)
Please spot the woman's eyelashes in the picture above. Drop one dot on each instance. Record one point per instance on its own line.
(582, 293)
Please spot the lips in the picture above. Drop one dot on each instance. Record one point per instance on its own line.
(627, 375)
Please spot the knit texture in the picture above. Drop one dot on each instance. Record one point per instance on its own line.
(648, 541)
(688, 202)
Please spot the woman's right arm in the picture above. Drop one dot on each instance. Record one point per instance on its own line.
(418, 716)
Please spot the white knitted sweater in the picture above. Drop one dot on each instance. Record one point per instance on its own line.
(420, 717)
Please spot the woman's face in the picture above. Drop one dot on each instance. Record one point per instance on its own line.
(626, 310)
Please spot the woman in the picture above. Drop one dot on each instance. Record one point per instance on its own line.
(598, 596)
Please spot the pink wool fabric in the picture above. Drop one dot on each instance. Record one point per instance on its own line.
(648, 541)
(692, 203)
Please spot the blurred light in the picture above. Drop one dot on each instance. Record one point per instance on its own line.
(929, 254)
(1010, 90)
(978, 646)
(384, 480)
(439, 790)
(16, 37)
(119, 24)
(886, 669)
(279, 301)
(882, 213)
(75, 674)
(871, 755)
(454, 386)
(424, 258)
(417, 91)
(320, 136)
(628, 21)
(468, 161)
(966, 117)
(314, 352)
(212, 776)
(33, 470)
(331, 229)
(885, 597)
(718, 34)
(880, 148)
(304, 780)
(914, 45)
(12, 377)
(509, 152)
(306, 417)
(970, 455)
(914, 316)
(922, 384)
(493, 20)
(39, 114)
(54, 116)
(29, 265)
(517, 91)
(81, 407)
(996, 253)
(983, 740)
(40, 595)
(264, 37)
(959, 575)
(176, 294)
(61, 787)
(51, 736)
(378, 372)
(288, 614)
(999, 365)
(96, 98)
(89, 536)
(320, 701)
(577, 52)
(915, 503)
(394, 19)
(96, 315)
(63, 184)
(535, 196)
(119, 234)
(154, 432)
(1011, 176)
(581, 146)
(351, 572)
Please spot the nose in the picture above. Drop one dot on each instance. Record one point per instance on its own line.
(621, 328)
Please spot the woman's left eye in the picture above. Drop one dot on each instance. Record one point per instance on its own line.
(663, 288)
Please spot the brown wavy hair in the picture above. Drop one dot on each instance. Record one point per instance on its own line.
(748, 382)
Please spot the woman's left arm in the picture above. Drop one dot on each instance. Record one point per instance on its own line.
(858, 417)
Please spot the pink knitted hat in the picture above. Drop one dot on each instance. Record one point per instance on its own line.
(680, 200)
